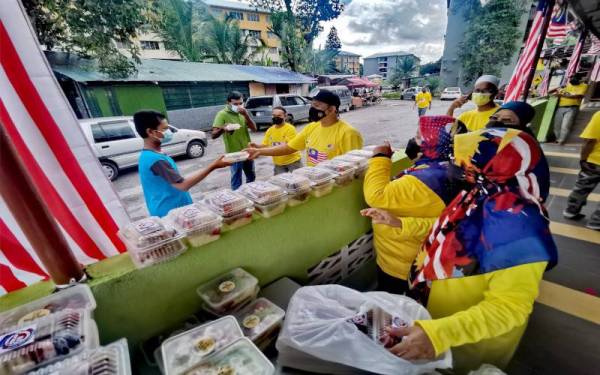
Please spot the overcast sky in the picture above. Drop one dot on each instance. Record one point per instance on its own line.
(370, 26)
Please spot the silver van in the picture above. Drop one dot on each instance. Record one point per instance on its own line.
(260, 108)
(117, 145)
(342, 91)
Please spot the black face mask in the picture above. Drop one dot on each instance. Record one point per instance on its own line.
(412, 149)
(315, 114)
(277, 120)
(499, 124)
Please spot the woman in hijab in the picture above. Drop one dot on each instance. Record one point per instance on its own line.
(479, 270)
(415, 199)
(514, 115)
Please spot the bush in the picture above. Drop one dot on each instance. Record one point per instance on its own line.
(391, 95)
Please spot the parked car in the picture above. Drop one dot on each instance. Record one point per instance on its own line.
(117, 145)
(260, 108)
(342, 91)
(451, 93)
(410, 93)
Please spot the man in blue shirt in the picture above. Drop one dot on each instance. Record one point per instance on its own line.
(164, 188)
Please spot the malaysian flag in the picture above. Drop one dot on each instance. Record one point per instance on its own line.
(575, 58)
(595, 45)
(515, 87)
(559, 27)
(543, 86)
(595, 76)
(315, 157)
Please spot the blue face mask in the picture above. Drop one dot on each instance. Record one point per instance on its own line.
(167, 136)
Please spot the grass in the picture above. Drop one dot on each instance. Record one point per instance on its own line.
(391, 95)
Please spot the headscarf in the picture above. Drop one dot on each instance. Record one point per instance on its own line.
(524, 111)
(500, 221)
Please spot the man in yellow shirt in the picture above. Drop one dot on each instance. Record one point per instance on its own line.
(484, 93)
(324, 138)
(423, 101)
(589, 176)
(280, 134)
(568, 107)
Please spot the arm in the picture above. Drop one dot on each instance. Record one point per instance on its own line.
(249, 121)
(457, 103)
(352, 140)
(587, 148)
(163, 169)
(218, 126)
(280, 150)
(216, 132)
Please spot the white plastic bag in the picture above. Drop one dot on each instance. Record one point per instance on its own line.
(317, 326)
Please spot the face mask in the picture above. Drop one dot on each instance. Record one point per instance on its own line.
(499, 124)
(234, 108)
(277, 120)
(315, 114)
(167, 137)
(481, 99)
(412, 149)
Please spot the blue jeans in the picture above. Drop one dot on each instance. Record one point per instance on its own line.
(236, 173)
(422, 111)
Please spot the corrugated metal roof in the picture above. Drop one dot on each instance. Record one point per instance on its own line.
(384, 54)
(234, 5)
(346, 53)
(81, 70)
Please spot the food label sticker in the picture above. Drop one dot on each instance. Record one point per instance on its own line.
(17, 339)
(147, 226)
(190, 212)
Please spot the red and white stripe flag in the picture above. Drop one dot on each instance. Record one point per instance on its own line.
(559, 26)
(595, 76)
(44, 130)
(543, 86)
(595, 45)
(575, 58)
(514, 90)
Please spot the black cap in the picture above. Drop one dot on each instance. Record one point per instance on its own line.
(327, 97)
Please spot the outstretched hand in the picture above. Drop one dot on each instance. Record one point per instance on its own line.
(385, 149)
(253, 152)
(415, 343)
(220, 163)
(381, 216)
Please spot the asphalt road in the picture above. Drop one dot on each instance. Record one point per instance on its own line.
(392, 120)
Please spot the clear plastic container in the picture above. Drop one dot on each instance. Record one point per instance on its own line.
(112, 359)
(272, 209)
(345, 170)
(228, 292)
(227, 203)
(262, 192)
(77, 297)
(370, 148)
(151, 241)
(362, 153)
(317, 176)
(260, 321)
(232, 127)
(322, 190)
(361, 163)
(181, 352)
(297, 186)
(31, 345)
(235, 157)
(240, 358)
(239, 220)
(198, 223)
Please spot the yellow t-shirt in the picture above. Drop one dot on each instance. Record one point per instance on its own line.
(592, 131)
(322, 143)
(475, 120)
(423, 99)
(579, 89)
(276, 136)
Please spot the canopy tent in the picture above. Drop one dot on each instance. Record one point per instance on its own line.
(356, 82)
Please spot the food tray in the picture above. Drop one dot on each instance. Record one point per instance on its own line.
(273, 209)
(263, 193)
(235, 157)
(239, 220)
(318, 176)
(345, 170)
(199, 224)
(323, 189)
(240, 358)
(227, 203)
(292, 183)
(373, 323)
(112, 359)
(77, 297)
(361, 153)
(359, 162)
(370, 148)
(31, 345)
(232, 127)
(260, 321)
(228, 292)
(184, 350)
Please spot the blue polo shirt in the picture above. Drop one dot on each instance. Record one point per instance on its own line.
(157, 174)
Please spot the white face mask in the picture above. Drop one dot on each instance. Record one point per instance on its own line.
(234, 108)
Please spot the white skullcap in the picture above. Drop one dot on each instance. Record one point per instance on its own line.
(488, 78)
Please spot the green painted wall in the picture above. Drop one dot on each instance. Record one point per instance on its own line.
(539, 106)
(132, 98)
(102, 98)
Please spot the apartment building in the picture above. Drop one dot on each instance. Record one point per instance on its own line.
(150, 45)
(384, 63)
(348, 62)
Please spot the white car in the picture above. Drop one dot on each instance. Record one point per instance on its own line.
(451, 93)
(117, 145)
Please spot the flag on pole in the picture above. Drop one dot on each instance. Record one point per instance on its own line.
(575, 58)
(44, 130)
(543, 86)
(594, 46)
(559, 26)
(516, 85)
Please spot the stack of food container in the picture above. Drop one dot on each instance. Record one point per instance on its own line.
(198, 223)
(235, 157)
(344, 170)
(362, 153)
(296, 186)
(361, 163)
(235, 209)
(229, 292)
(261, 321)
(269, 200)
(322, 180)
(151, 240)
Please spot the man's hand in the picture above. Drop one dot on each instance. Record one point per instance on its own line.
(385, 149)
(415, 343)
(253, 145)
(381, 216)
(457, 103)
(253, 152)
(242, 111)
(219, 163)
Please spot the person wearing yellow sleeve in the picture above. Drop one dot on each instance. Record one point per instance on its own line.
(484, 93)
(324, 138)
(589, 175)
(423, 101)
(280, 134)
(416, 198)
(478, 280)
(568, 107)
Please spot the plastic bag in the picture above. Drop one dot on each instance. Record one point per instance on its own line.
(319, 323)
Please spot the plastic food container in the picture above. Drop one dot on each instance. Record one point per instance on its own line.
(232, 127)
(272, 209)
(359, 162)
(112, 359)
(235, 208)
(77, 297)
(322, 179)
(31, 345)
(228, 292)
(260, 321)
(198, 223)
(183, 351)
(345, 170)
(235, 157)
(362, 153)
(297, 186)
(240, 358)
(151, 241)
(262, 192)
(370, 148)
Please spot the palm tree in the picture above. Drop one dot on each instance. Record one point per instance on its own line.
(405, 67)
(176, 23)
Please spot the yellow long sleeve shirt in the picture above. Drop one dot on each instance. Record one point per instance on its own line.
(410, 200)
(482, 317)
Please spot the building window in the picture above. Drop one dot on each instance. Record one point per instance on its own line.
(107, 132)
(253, 33)
(253, 17)
(123, 45)
(271, 35)
(236, 15)
(149, 44)
(382, 59)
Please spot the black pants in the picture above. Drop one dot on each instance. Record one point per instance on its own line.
(587, 180)
(390, 284)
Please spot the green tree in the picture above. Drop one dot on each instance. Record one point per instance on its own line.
(90, 29)
(223, 42)
(333, 41)
(293, 45)
(434, 83)
(177, 22)
(490, 39)
(318, 61)
(431, 68)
